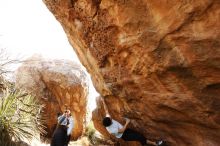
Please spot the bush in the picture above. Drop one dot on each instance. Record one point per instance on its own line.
(19, 117)
(90, 133)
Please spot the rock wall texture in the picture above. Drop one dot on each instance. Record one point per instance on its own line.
(157, 62)
(58, 84)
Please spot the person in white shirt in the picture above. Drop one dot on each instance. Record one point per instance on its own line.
(62, 134)
(121, 131)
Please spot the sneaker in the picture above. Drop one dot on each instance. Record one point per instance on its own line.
(159, 143)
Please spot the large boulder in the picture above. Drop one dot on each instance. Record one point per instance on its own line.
(58, 84)
(159, 59)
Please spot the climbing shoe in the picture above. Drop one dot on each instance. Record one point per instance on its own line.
(159, 143)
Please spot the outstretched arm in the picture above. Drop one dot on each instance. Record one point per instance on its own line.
(125, 126)
(105, 107)
(61, 118)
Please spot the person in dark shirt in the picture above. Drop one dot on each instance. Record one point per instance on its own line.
(62, 133)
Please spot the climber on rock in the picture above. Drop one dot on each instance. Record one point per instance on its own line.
(62, 134)
(121, 131)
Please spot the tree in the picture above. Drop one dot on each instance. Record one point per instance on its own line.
(6, 61)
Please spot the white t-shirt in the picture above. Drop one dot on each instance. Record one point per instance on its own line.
(114, 127)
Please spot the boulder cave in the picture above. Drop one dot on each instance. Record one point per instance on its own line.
(156, 62)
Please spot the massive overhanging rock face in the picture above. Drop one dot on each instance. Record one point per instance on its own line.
(157, 62)
(58, 84)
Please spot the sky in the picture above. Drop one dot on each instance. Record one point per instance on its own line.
(27, 27)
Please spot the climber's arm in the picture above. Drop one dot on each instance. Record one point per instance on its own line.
(105, 107)
(125, 126)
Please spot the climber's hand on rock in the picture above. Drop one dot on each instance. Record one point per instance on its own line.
(127, 120)
(102, 99)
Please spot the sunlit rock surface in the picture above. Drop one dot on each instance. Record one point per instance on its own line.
(58, 84)
(159, 59)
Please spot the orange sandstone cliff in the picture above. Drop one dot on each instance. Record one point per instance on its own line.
(156, 62)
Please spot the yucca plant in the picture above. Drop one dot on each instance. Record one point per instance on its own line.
(20, 117)
(90, 134)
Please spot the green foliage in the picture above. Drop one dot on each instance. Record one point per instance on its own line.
(19, 117)
(92, 135)
(90, 132)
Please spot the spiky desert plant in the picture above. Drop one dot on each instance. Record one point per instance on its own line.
(20, 117)
(90, 134)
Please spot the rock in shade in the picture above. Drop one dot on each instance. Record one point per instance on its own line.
(156, 62)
